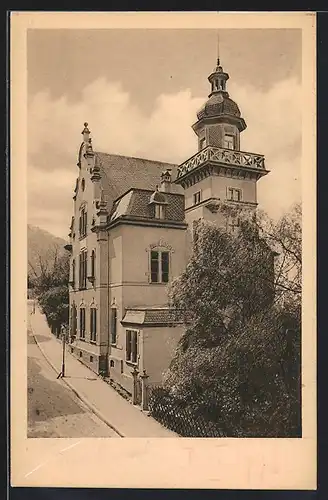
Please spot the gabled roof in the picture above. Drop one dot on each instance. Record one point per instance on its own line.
(120, 173)
(135, 203)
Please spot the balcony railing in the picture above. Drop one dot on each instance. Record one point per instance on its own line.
(221, 155)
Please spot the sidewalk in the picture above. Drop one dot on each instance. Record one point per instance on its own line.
(126, 419)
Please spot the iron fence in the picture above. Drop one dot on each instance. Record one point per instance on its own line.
(176, 416)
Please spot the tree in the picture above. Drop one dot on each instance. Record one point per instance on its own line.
(50, 281)
(238, 362)
(228, 278)
(285, 238)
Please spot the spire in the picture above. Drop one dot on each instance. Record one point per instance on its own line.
(218, 49)
(218, 77)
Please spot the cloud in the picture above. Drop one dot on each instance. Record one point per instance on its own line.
(119, 126)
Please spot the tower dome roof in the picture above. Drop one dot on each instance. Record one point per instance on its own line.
(219, 104)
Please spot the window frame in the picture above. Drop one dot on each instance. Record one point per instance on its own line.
(230, 194)
(233, 139)
(202, 143)
(83, 222)
(132, 355)
(93, 324)
(160, 211)
(82, 336)
(159, 272)
(232, 225)
(197, 197)
(113, 331)
(83, 269)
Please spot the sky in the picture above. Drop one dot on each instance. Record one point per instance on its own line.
(140, 89)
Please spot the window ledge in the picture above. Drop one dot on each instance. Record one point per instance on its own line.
(82, 339)
(94, 342)
(131, 363)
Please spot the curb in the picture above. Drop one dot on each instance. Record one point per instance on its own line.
(91, 407)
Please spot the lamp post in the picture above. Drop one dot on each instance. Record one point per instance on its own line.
(134, 373)
(63, 334)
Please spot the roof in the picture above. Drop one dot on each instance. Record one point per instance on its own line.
(120, 173)
(150, 316)
(136, 203)
(219, 104)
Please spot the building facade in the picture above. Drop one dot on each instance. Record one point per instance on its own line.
(131, 233)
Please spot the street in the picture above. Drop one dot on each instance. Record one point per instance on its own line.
(53, 409)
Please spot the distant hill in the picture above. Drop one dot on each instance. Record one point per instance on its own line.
(42, 247)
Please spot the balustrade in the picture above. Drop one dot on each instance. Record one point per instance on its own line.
(221, 155)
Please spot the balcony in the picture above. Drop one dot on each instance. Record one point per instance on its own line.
(225, 157)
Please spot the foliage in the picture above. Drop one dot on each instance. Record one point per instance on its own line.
(249, 385)
(54, 304)
(285, 237)
(238, 363)
(50, 283)
(228, 278)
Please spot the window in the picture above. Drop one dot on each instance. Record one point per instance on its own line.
(93, 324)
(202, 143)
(83, 223)
(197, 197)
(93, 262)
(83, 269)
(73, 272)
(234, 194)
(159, 211)
(131, 346)
(82, 323)
(72, 276)
(83, 184)
(234, 223)
(159, 264)
(73, 320)
(113, 325)
(229, 142)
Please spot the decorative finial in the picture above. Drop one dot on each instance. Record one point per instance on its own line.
(85, 130)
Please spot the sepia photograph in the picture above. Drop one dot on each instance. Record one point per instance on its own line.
(165, 241)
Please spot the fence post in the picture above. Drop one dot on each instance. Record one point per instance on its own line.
(135, 388)
(144, 391)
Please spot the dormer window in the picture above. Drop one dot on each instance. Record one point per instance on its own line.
(159, 211)
(229, 142)
(158, 203)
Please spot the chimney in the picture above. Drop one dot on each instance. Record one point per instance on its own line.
(166, 180)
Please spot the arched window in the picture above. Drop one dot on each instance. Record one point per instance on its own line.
(93, 324)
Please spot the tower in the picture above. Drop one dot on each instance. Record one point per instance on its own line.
(219, 171)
